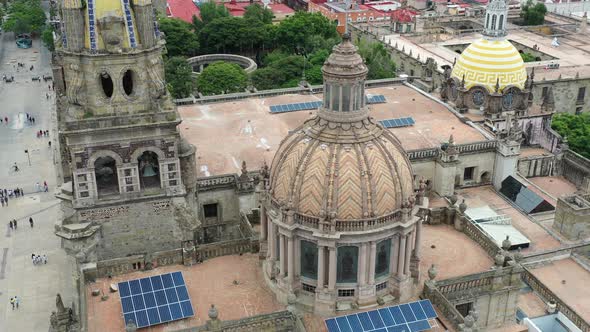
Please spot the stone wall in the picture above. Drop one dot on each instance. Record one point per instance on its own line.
(137, 228)
(576, 169)
(532, 166)
(565, 93)
(280, 321)
(572, 216)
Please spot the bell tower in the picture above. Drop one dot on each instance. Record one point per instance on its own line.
(128, 175)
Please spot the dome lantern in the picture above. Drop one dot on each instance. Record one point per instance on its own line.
(496, 19)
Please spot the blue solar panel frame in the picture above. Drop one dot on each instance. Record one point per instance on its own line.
(155, 300)
(399, 122)
(407, 317)
(283, 108)
(375, 99)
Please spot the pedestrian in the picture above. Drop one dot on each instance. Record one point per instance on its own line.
(15, 224)
(6, 201)
(17, 300)
(31, 221)
(49, 144)
(12, 301)
(6, 119)
(44, 259)
(15, 169)
(10, 224)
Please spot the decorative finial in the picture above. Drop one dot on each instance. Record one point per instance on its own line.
(506, 244)
(451, 140)
(346, 37)
(463, 81)
(497, 87)
(213, 314)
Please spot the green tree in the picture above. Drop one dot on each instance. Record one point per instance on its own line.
(222, 77)
(267, 78)
(180, 37)
(300, 30)
(377, 59)
(257, 12)
(527, 57)
(47, 38)
(533, 14)
(577, 130)
(25, 16)
(210, 11)
(179, 77)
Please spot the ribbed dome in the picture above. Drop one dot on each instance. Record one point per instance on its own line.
(342, 164)
(486, 62)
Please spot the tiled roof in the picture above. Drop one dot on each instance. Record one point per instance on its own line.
(182, 9)
(403, 15)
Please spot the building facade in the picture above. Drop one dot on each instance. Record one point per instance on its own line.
(129, 178)
(338, 214)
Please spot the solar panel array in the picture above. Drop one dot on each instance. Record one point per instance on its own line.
(400, 122)
(375, 99)
(283, 108)
(408, 317)
(155, 300)
(526, 199)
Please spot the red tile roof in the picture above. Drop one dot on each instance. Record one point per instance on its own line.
(403, 15)
(182, 9)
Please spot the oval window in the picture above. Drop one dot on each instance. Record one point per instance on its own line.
(128, 82)
(107, 84)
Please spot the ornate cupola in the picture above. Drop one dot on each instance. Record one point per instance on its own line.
(496, 19)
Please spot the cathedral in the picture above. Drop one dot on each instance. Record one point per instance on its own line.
(129, 178)
(489, 77)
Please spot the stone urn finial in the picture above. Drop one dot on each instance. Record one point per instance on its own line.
(453, 199)
(518, 255)
(506, 244)
(213, 314)
(463, 206)
(432, 272)
(499, 259)
(130, 326)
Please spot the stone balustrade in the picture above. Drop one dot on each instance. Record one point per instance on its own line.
(217, 181)
(218, 249)
(307, 221)
(122, 120)
(423, 154)
(477, 147)
(576, 168)
(477, 235)
(448, 309)
(348, 225)
(548, 295)
(280, 321)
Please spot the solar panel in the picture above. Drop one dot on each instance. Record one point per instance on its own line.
(282, 108)
(375, 99)
(400, 122)
(155, 300)
(407, 317)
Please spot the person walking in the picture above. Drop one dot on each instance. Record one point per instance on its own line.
(17, 301)
(10, 224)
(15, 224)
(31, 221)
(13, 302)
(44, 259)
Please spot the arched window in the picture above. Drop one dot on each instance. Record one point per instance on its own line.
(107, 84)
(501, 22)
(487, 21)
(128, 81)
(107, 181)
(493, 22)
(309, 260)
(383, 254)
(347, 264)
(149, 170)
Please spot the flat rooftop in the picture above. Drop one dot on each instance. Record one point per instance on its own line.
(555, 186)
(573, 54)
(568, 281)
(486, 195)
(228, 133)
(211, 282)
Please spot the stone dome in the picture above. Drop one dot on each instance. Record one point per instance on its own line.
(342, 164)
(486, 62)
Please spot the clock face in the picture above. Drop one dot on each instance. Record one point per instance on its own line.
(478, 97)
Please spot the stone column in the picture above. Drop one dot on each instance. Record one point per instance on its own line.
(394, 253)
(263, 223)
(363, 265)
(418, 239)
(282, 264)
(332, 269)
(272, 241)
(290, 262)
(372, 253)
(321, 267)
(408, 254)
(402, 256)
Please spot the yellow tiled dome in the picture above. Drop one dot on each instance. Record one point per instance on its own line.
(486, 61)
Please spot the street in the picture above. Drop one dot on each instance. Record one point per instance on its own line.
(35, 285)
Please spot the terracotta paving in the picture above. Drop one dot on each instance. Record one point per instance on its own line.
(450, 247)
(527, 152)
(531, 304)
(569, 281)
(227, 133)
(208, 283)
(486, 195)
(556, 186)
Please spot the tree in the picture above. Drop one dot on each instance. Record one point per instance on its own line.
(257, 12)
(577, 130)
(180, 37)
(267, 78)
(179, 77)
(211, 11)
(299, 31)
(222, 77)
(47, 38)
(527, 57)
(533, 15)
(25, 16)
(377, 59)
